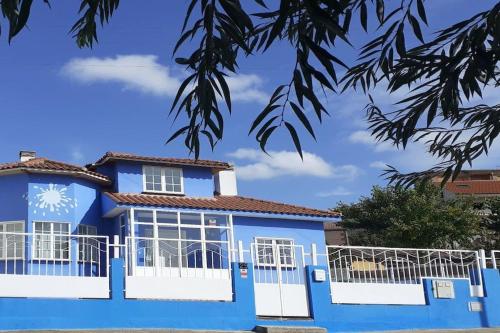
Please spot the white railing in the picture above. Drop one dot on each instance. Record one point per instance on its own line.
(351, 264)
(495, 259)
(174, 258)
(53, 254)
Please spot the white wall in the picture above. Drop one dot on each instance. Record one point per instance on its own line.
(225, 182)
(377, 293)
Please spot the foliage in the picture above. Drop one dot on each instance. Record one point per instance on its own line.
(442, 74)
(417, 217)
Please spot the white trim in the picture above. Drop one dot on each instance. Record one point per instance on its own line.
(163, 182)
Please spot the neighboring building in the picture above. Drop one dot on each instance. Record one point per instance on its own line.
(335, 234)
(479, 184)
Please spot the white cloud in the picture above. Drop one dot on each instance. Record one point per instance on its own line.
(288, 163)
(366, 138)
(336, 192)
(76, 155)
(378, 165)
(145, 74)
(135, 72)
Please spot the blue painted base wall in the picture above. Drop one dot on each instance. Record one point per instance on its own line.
(117, 312)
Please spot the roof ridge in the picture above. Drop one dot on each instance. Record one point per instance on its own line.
(286, 204)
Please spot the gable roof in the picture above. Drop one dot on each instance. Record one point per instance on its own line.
(228, 203)
(474, 187)
(115, 156)
(43, 165)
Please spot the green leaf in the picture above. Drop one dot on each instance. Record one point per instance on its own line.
(295, 138)
(363, 16)
(303, 119)
(380, 10)
(265, 136)
(416, 28)
(421, 11)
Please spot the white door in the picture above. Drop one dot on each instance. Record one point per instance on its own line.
(279, 278)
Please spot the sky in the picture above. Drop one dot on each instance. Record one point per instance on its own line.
(73, 105)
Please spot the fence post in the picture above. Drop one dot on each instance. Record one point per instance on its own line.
(241, 256)
(116, 246)
(314, 254)
(482, 258)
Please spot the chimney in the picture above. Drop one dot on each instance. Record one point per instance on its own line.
(225, 183)
(26, 155)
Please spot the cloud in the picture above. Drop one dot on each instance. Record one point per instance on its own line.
(336, 192)
(136, 72)
(145, 74)
(288, 163)
(76, 155)
(366, 138)
(378, 165)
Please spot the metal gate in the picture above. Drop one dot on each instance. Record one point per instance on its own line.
(279, 279)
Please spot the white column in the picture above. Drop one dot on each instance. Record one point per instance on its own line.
(482, 258)
(241, 255)
(314, 254)
(116, 246)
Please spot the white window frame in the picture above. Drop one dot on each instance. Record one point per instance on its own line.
(202, 227)
(85, 243)
(4, 244)
(274, 245)
(52, 242)
(162, 179)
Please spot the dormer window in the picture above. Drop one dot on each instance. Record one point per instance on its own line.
(162, 179)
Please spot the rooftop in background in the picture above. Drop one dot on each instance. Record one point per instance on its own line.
(29, 163)
(476, 183)
(116, 156)
(229, 203)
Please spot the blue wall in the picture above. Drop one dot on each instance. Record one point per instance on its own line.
(198, 182)
(118, 312)
(302, 232)
(13, 197)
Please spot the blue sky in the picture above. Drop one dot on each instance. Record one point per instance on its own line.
(74, 105)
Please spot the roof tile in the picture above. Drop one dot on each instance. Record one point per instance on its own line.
(474, 187)
(112, 156)
(229, 203)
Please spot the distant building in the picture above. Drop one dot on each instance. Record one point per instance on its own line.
(479, 184)
(335, 234)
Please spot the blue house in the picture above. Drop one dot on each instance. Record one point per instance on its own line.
(150, 242)
(177, 220)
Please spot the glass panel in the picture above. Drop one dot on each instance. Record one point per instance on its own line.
(192, 254)
(265, 253)
(166, 217)
(191, 233)
(216, 234)
(152, 178)
(217, 256)
(144, 230)
(165, 232)
(169, 253)
(190, 218)
(216, 220)
(143, 216)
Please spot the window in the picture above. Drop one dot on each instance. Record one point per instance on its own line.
(173, 239)
(269, 250)
(161, 179)
(88, 247)
(11, 242)
(52, 241)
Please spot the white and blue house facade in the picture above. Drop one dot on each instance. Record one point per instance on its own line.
(149, 242)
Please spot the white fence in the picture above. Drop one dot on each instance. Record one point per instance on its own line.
(161, 268)
(495, 259)
(53, 265)
(358, 270)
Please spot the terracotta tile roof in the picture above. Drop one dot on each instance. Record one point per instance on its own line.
(474, 187)
(43, 165)
(229, 203)
(113, 156)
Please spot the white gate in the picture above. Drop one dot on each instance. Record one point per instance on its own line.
(279, 279)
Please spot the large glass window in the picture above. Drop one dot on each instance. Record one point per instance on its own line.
(11, 240)
(188, 240)
(270, 250)
(162, 179)
(51, 241)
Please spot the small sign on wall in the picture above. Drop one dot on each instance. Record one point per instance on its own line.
(319, 275)
(443, 289)
(243, 266)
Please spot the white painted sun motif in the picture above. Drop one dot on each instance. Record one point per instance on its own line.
(52, 198)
